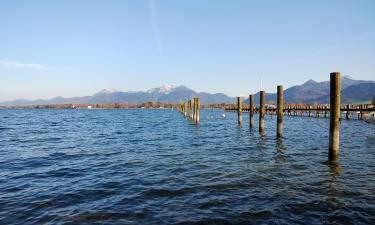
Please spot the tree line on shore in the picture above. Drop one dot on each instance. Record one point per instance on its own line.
(148, 105)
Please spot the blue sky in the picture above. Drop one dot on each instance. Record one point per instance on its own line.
(75, 47)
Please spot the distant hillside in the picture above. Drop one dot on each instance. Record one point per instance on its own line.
(310, 92)
(167, 94)
(318, 92)
(354, 93)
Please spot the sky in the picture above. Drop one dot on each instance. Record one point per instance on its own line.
(78, 47)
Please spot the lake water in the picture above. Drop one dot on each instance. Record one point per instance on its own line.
(156, 167)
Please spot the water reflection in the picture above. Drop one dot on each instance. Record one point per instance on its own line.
(334, 169)
(197, 131)
(333, 200)
(262, 142)
(239, 135)
(280, 148)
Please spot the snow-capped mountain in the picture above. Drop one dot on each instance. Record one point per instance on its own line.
(166, 93)
(309, 92)
(165, 89)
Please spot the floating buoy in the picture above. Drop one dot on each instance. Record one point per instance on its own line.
(223, 115)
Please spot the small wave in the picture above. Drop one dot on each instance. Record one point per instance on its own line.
(97, 217)
(155, 193)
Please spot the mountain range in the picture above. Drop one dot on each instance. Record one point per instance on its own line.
(310, 92)
(352, 91)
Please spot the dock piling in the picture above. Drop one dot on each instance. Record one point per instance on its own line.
(334, 126)
(251, 110)
(198, 106)
(239, 110)
(280, 109)
(261, 111)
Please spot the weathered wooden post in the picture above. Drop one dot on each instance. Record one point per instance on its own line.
(358, 114)
(239, 110)
(334, 125)
(191, 109)
(186, 109)
(197, 116)
(251, 110)
(325, 111)
(361, 110)
(195, 109)
(280, 109)
(347, 112)
(261, 111)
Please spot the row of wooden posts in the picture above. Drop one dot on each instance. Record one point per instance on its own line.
(334, 128)
(319, 110)
(191, 109)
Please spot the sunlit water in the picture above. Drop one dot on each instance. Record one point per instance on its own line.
(156, 167)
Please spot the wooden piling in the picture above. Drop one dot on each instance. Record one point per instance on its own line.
(347, 112)
(280, 109)
(334, 126)
(186, 109)
(325, 111)
(191, 109)
(239, 110)
(195, 109)
(261, 111)
(197, 117)
(251, 110)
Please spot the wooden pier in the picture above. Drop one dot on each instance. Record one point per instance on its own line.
(335, 111)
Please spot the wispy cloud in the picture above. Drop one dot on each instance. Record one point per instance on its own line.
(155, 26)
(21, 65)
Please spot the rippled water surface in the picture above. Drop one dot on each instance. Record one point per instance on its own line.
(155, 167)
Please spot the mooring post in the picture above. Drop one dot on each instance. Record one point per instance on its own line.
(188, 109)
(239, 110)
(280, 109)
(191, 108)
(358, 114)
(361, 110)
(347, 111)
(334, 125)
(197, 119)
(251, 110)
(325, 111)
(195, 105)
(261, 111)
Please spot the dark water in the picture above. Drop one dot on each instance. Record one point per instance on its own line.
(155, 167)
